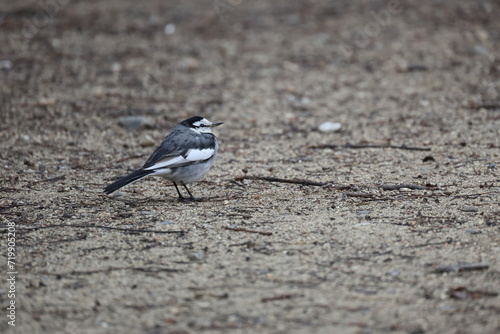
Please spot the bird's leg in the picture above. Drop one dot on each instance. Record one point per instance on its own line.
(191, 195)
(181, 198)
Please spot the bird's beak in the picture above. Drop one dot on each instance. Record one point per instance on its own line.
(216, 124)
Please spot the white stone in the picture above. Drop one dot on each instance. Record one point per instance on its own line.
(330, 127)
(5, 64)
(169, 29)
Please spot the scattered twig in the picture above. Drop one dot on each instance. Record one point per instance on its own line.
(486, 105)
(347, 187)
(358, 194)
(110, 269)
(54, 179)
(461, 292)
(400, 186)
(237, 183)
(6, 189)
(130, 230)
(473, 195)
(447, 241)
(461, 267)
(241, 229)
(359, 146)
(416, 68)
(276, 179)
(280, 297)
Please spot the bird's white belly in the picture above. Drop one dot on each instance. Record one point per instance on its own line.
(186, 174)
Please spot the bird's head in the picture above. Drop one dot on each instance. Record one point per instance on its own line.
(200, 124)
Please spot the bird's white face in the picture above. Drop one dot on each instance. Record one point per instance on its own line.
(204, 126)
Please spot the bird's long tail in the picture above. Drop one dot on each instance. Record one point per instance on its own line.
(132, 177)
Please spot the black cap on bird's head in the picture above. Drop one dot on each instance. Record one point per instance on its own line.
(190, 121)
(200, 124)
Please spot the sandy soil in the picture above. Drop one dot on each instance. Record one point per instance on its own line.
(342, 255)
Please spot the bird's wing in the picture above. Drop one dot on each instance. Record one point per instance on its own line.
(179, 159)
(174, 151)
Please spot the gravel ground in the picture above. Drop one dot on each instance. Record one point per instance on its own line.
(388, 225)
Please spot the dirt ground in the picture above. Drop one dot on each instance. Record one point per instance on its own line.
(402, 237)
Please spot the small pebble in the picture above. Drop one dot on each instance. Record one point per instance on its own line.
(470, 209)
(424, 103)
(169, 29)
(197, 256)
(188, 63)
(116, 67)
(491, 166)
(291, 98)
(147, 141)
(47, 101)
(135, 122)
(479, 49)
(148, 213)
(5, 64)
(330, 127)
(167, 222)
(289, 66)
(394, 273)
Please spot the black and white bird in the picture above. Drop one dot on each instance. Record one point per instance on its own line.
(183, 157)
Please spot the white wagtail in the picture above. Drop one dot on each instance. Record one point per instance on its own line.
(184, 156)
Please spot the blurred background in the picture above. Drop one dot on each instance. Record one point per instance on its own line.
(250, 61)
